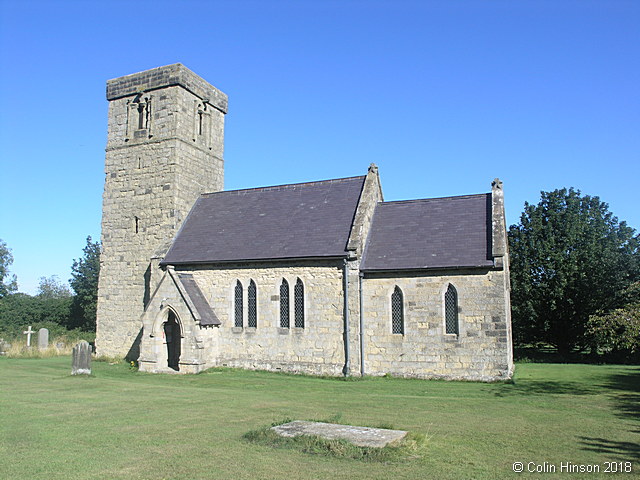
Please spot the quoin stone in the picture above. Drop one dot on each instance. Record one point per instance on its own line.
(322, 277)
(81, 359)
(43, 339)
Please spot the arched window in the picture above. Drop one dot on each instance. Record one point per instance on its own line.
(141, 115)
(397, 311)
(451, 310)
(238, 305)
(298, 304)
(284, 304)
(252, 307)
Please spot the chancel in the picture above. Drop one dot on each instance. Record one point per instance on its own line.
(323, 277)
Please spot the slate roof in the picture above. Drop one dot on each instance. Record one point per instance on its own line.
(451, 232)
(207, 316)
(304, 220)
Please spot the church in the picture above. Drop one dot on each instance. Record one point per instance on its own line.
(323, 277)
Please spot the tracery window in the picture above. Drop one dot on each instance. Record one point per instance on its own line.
(298, 304)
(252, 306)
(238, 305)
(397, 311)
(451, 310)
(284, 304)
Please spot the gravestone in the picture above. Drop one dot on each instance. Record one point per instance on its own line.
(28, 332)
(81, 359)
(43, 339)
(3, 347)
(360, 436)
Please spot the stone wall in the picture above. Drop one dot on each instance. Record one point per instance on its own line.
(153, 348)
(164, 148)
(481, 350)
(315, 349)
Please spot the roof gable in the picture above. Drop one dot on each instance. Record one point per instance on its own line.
(451, 232)
(304, 220)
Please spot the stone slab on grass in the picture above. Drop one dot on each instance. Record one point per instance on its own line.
(360, 436)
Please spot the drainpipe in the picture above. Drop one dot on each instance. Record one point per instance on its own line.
(361, 325)
(345, 277)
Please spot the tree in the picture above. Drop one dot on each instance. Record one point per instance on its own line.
(52, 288)
(84, 281)
(19, 310)
(617, 333)
(8, 283)
(570, 258)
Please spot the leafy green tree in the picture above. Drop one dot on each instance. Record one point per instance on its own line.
(19, 310)
(51, 287)
(570, 258)
(8, 283)
(617, 333)
(84, 281)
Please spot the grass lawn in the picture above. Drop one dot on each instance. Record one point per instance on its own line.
(121, 424)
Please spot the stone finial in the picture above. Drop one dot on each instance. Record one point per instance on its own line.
(373, 168)
(496, 184)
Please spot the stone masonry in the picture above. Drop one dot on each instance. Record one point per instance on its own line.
(164, 148)
(316, 349)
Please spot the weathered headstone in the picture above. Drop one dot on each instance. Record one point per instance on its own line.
(81, 359)
(360, 436)
(3, 347)
(43, 339)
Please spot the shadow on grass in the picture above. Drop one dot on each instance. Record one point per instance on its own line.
(536, 387)
(617, 450)
(626, 395)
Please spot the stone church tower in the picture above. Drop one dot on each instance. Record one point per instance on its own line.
(164, 148)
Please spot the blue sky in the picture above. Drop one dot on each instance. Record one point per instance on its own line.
(442, 95)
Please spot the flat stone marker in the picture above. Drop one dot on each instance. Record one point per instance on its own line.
(81, 359)
(43, 339)
(360, 436)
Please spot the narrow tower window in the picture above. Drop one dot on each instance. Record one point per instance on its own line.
(397, 311)
(137, 224)
(451, 310)
(200, 114)
(298, 303)
(252, 306)
(284, 304)
(238, 305)
(141, 115)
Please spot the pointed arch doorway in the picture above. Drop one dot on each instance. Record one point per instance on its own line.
(173, 339)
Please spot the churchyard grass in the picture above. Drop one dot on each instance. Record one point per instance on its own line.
(122, 424)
